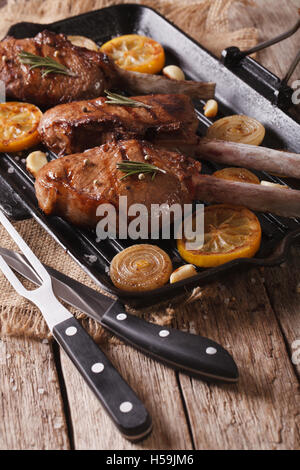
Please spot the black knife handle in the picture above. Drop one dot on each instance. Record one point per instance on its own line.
(186, 352)
(119, 400)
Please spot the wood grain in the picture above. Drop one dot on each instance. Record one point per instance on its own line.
(155, 385)
(262, 410)
(271, 17)
(283, 288)
(255, 315)
(32, 413)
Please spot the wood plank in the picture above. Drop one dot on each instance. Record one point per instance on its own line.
(32, 414)
(262, 410)
(283, 287)
(155, 385)
(281, 283)
(271, 19)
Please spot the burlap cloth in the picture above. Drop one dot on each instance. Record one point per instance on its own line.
(205, 20)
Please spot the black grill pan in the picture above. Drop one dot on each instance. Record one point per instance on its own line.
(235, 95)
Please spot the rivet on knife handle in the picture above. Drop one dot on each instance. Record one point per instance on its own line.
(121, 403)
(119, 400)
(189, 352)
(183, 351)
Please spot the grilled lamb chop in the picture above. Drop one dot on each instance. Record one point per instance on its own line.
(71, 128)
(74, 186)
(171, 123)
(91, 73)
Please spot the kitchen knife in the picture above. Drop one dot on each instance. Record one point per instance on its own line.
(121, 403)
(186, 352)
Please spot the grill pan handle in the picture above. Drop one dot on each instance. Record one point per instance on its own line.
(264, 81)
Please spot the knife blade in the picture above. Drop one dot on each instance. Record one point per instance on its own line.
(121, 403)
(186, 352)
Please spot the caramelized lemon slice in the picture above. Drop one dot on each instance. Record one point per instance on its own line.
(18, 126)
(136, 53)
(230, 232)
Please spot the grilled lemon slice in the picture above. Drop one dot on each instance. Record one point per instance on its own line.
(230, 232)
(18, 126)
(136, 53)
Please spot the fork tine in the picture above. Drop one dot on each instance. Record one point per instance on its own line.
(12, 278)
(41, 271)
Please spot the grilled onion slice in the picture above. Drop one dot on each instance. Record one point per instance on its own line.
(237, 128)
(237, 174)
(141, 268)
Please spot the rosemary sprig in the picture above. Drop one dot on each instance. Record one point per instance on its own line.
(48, 64)
(120, 100)
(137, 168)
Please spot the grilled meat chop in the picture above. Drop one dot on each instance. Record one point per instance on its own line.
(171, 123)
(74, 186)
(92, 73)
(74, 127)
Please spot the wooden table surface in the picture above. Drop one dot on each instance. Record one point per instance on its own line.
(46, 405)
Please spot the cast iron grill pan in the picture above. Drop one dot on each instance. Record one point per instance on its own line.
(234, 96)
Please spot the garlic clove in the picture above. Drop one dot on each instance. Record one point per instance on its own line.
(268, 183)
(173, 72)
(211, 108)
(188, 270)
(35, 161)
(82, 41)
